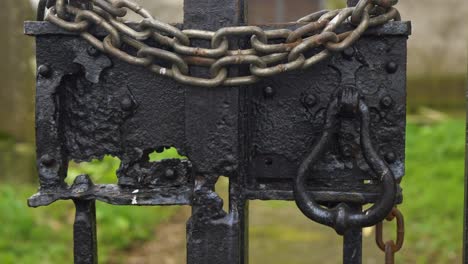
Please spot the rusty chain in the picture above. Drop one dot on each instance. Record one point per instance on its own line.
(265, 58)
(391, 247)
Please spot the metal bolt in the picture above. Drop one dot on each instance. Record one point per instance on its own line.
(169, 173)
(231, 158)
(268, 161)
(390, 157)
(386, 101)
(93, 52)
(126, 103)
(44, 70)
(309, 100)
(47, 160)
(348, 53)
(391, 67)
(347, 151)
(268, 92)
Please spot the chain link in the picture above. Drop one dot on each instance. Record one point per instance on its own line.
(271, 52)
(391, 247)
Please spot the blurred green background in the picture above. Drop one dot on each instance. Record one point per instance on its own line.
(433, 186)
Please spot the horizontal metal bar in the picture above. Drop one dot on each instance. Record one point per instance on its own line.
(37, 28)
(116, 195)
(320, 196)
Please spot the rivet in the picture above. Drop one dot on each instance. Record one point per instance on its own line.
(126, 103)
(44, 70)
(348, 53)
(92, 51)
(47, 160)
(347, 151)
(386, 101)
(169, 173)
(390, 157)
(391, 67)
(309, 100)
(231, 158)
(268, 92)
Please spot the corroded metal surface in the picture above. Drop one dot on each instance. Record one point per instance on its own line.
(90, 105)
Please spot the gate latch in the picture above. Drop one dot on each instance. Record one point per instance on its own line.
(347, 103)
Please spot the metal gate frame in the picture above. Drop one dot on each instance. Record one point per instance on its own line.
(222, 131)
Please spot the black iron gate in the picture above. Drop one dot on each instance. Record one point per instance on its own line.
(330, 136)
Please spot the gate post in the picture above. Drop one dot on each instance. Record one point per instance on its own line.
(212, 129)
(84, 232)
(352, 243)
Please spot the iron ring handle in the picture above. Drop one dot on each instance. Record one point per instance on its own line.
(340, 217)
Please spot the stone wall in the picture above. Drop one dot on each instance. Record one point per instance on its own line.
(438, 45)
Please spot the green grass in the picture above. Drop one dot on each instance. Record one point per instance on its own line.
(44, 235)
(433, 191)
(433, 207)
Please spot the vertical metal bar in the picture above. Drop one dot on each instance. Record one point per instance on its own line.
(239, 208)
(352, 244)
(84, 232)
(244, 228)
(211, 145)
(465, 224)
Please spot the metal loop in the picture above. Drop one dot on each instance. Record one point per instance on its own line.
(165, 55)
(210, 83)
(272, 48)
(338, 19)
(306, 29)
(166, 28)
(282, 33)
(41, 9)
(278, 69)
(99, 21)
(359, 10)
(70, 26)
(272, 51)
(134, 7)
(400, 236)
(61, 9)
(392, 14)
(352, 37)
(237, 60)
(311, 43)
(109, 8)
(238, 31)
(203, 52)
(323, 55)
(122, 27)
(340, 218)
(121, 55)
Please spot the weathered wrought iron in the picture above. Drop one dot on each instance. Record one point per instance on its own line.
(390, 247)
(264, 58)
(329, 135)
